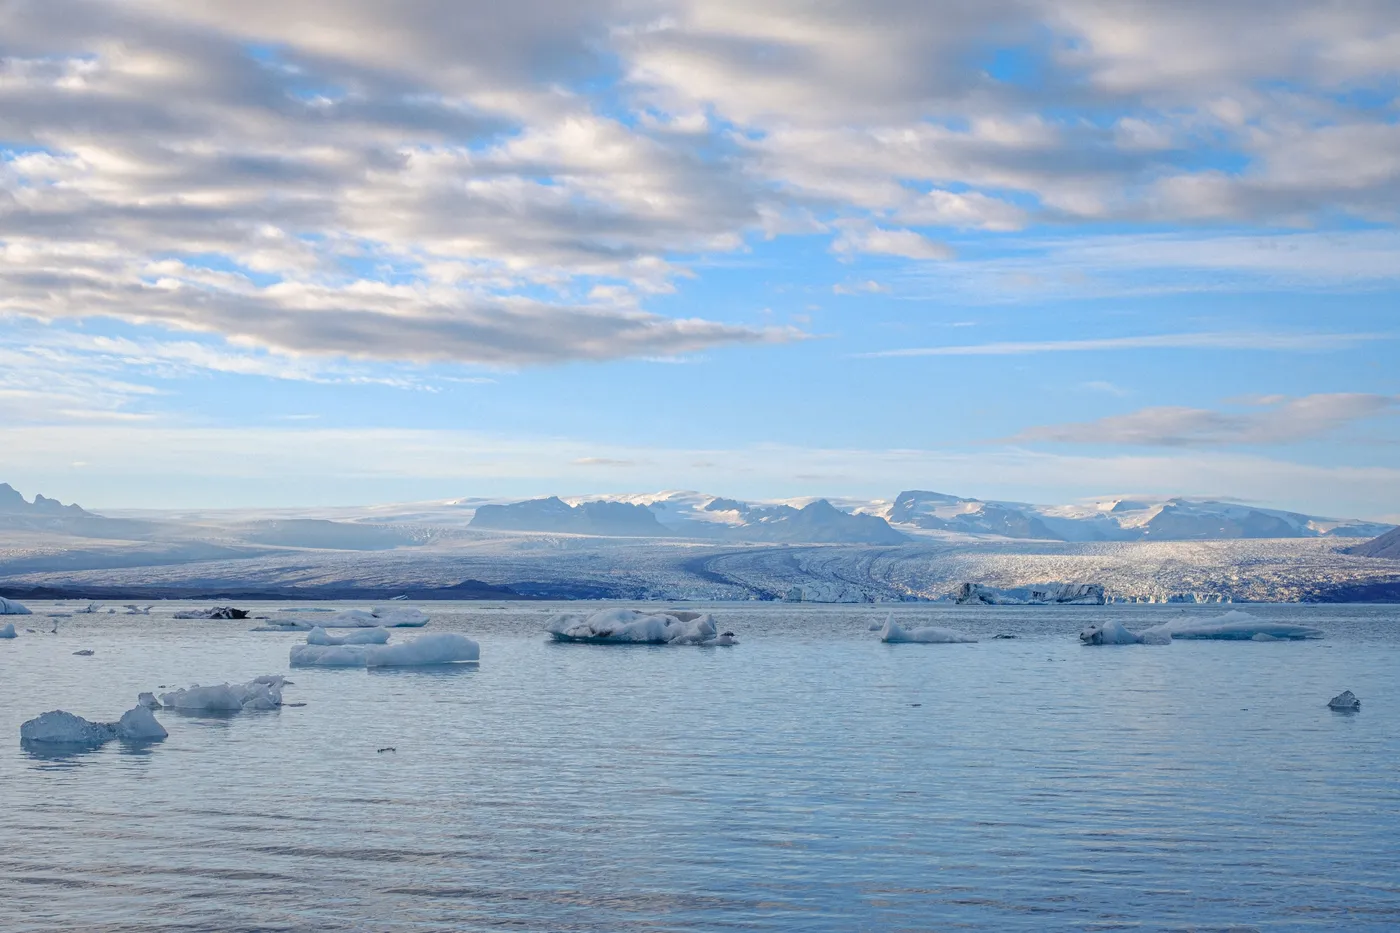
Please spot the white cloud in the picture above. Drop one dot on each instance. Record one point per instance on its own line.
(881, 241)
(1202, 341)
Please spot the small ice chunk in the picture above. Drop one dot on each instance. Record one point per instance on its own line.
(8, 607)
(1346, 700)
(148, 700)
(256, 694)
(138, 725)
(367, 636)
(328, 655)
(279, 626)
(400, 616)
(1109, 633)
(84, 653)
(433, 648)
(7, 630)
(895, 634)
(59, 727)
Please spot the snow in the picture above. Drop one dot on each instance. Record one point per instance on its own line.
(1346, 700)
(310, 655)
(7, 630)
(59, 727)
(380, 616)
(432, 648)
(261, 693)
(8, 607)
(628, 626)
(1236, 626)
(895, 634)
(368, 636)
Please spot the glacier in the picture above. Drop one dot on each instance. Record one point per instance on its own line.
(1043, 594)
(895, 634)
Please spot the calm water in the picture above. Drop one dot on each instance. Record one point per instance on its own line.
(809, 779)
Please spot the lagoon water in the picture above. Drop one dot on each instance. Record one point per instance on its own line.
(808, 779)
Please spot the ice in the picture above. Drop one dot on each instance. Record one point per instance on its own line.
(297, 626)
(218, 612)
(139, 725)
(1234, 626)
(148, 700)
(1346, 700)
(328, 655)
(8, 607)
(63, 728)
(261, 693)
(7, 630)
(895, 634)
(368, 636)
(380, 616)
(628, 626)
(432, 648)
(1076, 594)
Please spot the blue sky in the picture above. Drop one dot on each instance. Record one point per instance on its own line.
(279, 254)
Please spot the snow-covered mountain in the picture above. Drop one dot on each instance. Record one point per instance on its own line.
(1387, 546)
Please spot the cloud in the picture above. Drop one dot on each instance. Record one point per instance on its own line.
(868, 287)
(905, 243)
(603, 462)
(1280, 422)
(1223, 340)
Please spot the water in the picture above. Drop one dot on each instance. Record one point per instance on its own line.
(809, 779)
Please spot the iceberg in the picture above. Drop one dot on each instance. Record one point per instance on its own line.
(630, 627)
(261, 693)
(1041, 594)
(8, 607)
(59, 727)
(310, 655)
(368, 636)
(1233, 626)
(1345, 701)
(433, 648)
(895, 634)
(379, 617)
(7, 630)
(1115, 633)
(218, 612)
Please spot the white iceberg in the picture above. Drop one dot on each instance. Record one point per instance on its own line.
(628, 626)
(380, 616)
(148, 700)
(895, 634)
(261, 693)
(8, 607)
(1346, 701)
(218, 612)
(1042, 594)
(7, 630)
(1233, 626)
(367, 636)
(432, 648)
(59, 727)
(279, 626)
(1115, 633)
(328, 655)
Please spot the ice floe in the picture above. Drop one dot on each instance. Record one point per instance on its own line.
(260, 693)
(367, 636)
(1115, 633)
(218, 612)
(379, 617)
(1345, 701)
(59, 727)
(7, 630)
(628, 626)
(432, 648)
(8, 607)
(1233, 626)
(895, 634)
(328, 655)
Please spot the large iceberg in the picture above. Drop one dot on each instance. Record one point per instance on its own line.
(328, 655)
(628, 626)
(7, 630)
(8, 607)
(261, 693)
(380, 616)
(433, 648)
(366, 636)
(895, 634)
(1234, 626)
(59, 727)
(1041, 594)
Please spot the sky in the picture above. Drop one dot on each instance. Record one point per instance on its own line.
(326, 252)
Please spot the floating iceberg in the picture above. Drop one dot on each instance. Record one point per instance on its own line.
(433, 648)
(1115, 633)
(278, 626)
(1345, 701)
(1233, 626)
(8, 607)
(7, 630)
(368, 636)
(261, 693)
(380, 616)
(218, 612)
(63, 728)
(895, 634)
(628, 626)
(328, 655)
(1042, 594)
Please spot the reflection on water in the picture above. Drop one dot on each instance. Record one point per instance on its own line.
(809, 779)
